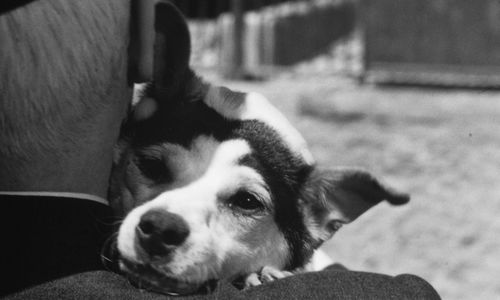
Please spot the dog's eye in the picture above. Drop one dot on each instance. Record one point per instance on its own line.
(153, 168)
(245, 202)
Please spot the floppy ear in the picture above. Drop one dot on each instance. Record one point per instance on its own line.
(172, 49)
(332, 198)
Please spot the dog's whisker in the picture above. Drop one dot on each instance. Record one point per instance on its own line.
(110, 221)
(109, 253)
(118, 221)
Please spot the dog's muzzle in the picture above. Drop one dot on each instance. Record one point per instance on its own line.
(159, 232)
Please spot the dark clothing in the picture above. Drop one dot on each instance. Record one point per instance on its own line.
(45, 238)
(48, 238)
(328, 284)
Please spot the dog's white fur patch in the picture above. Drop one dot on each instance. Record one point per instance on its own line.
(221, 242)
(255, 106)
(319, 261)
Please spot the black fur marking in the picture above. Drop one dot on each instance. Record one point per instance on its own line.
(179, 120)
(153, 167)
(285, 174)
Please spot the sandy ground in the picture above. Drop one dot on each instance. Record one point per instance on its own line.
(442, 146)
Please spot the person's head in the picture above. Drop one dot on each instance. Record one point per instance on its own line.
(63, 93)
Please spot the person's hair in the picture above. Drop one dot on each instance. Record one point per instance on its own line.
(58, 68)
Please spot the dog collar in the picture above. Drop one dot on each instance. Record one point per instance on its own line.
(57, 194)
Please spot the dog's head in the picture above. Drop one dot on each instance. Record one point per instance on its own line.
(217, 184)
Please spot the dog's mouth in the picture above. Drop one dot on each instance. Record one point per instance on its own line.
(147, 277)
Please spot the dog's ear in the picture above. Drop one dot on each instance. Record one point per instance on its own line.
(335, 197)
(171, 53)
(172, 49)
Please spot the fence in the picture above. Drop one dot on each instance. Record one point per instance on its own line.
(443, 42)
(277, 35)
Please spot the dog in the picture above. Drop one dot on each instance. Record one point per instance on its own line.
(217, 184)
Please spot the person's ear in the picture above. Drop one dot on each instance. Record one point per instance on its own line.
(335, 197)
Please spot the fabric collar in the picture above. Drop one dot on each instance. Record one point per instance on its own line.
(57, 194)
(8, 5)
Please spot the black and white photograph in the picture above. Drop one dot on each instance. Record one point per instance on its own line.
(250, 149)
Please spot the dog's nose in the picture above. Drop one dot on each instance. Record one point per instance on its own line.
(160, 231)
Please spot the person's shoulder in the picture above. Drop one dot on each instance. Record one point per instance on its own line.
(415, 287)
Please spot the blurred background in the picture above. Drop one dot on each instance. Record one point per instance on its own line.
(407, 89)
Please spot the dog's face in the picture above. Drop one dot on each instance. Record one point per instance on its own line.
(212, 189)
(218, 184)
